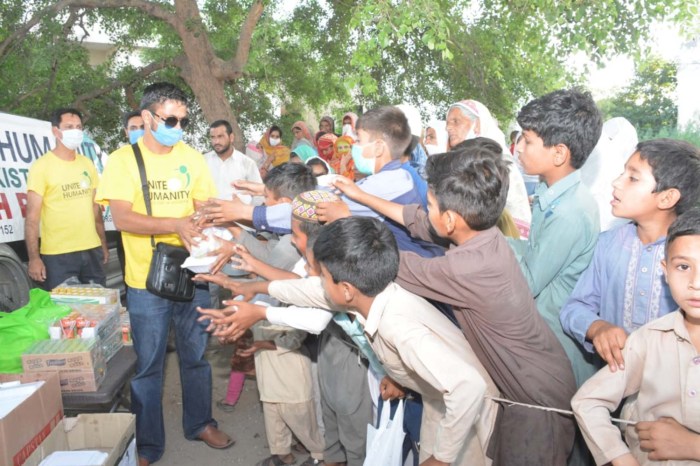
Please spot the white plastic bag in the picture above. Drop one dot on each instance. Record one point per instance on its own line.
(385, 442)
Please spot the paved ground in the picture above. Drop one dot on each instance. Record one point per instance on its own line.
(245, 424)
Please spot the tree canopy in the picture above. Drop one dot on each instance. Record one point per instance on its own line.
(242, 59)
(648, 101)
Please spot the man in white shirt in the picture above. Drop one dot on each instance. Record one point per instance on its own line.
(228, 165)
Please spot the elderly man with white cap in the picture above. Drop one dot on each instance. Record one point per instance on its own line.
(468, 119)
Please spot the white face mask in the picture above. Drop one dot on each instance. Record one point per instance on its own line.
(433, 149)
(347, 130)
(274, 141)
(72, 138)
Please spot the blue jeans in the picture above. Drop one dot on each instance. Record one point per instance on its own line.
(85, 265)
(150, 318)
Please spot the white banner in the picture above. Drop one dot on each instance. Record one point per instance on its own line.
(22, 141)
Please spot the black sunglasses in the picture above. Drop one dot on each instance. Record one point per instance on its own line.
(172, 121)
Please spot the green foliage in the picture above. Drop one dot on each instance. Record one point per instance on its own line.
(322, 55)
(648, 101)
(690, 134)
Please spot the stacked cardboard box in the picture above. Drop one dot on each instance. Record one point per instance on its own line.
(85, 294)
(99, 321)
(26, 426)
(80, 363)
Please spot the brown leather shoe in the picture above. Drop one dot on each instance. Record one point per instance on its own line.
(215, 438)
(143, 461)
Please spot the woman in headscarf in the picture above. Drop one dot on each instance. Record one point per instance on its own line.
(326, 146)
(275, 152)
(617, 143)
(303, 153)
(342, 161)
(302, 135)
(327, 124)
(468, 119)
(349, 121)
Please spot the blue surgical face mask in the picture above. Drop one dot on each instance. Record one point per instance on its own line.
(362, 164)
(167, 136)
(134, 135)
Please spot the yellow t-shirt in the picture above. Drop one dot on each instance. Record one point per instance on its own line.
(67, 189)
(175, 180)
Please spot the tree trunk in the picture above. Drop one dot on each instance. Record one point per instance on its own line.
(203, 67)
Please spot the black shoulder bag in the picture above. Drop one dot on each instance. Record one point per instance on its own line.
(166, 277)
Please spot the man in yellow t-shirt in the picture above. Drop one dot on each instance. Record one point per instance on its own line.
(178, 177)
(61, 200)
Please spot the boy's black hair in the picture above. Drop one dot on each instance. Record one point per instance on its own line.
(275, 128)
(316, 161)
(128, 116)
(290, 180)
(217, 123)
(157, 93)
(687, 224)
(57, 114)
(566, 116)
(359, 250)
(311, 230)
(674, 164)
(391, 124)
(471, 180)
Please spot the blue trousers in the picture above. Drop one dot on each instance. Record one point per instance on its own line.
(150, 318)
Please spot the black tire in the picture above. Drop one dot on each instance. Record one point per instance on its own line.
(14, 281)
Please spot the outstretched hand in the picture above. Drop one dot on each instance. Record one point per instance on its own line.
(232, 321)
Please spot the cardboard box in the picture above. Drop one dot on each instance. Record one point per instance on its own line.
(86, 321)
(110, 433)
(23, 429)
(84, 294)
(81, 381)
(54, 355)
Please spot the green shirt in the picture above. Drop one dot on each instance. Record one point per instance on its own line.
(563, 235)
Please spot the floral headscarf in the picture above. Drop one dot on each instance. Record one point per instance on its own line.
(326, 146)
(306, 134)
(342, 159)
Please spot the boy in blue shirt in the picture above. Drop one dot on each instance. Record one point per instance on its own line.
(623, 288)
(560, 130)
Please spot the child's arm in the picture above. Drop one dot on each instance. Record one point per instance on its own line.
(257, 345)
(389, 209)
(666, 439)
(580, 317)
(247, 262)
(308, 319)
(601, 395)
(305, 292)
(247, 289)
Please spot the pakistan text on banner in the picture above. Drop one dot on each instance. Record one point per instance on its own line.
(22, 141)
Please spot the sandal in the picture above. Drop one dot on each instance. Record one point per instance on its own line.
(274, 460)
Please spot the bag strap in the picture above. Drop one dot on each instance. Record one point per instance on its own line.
(144, 183)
